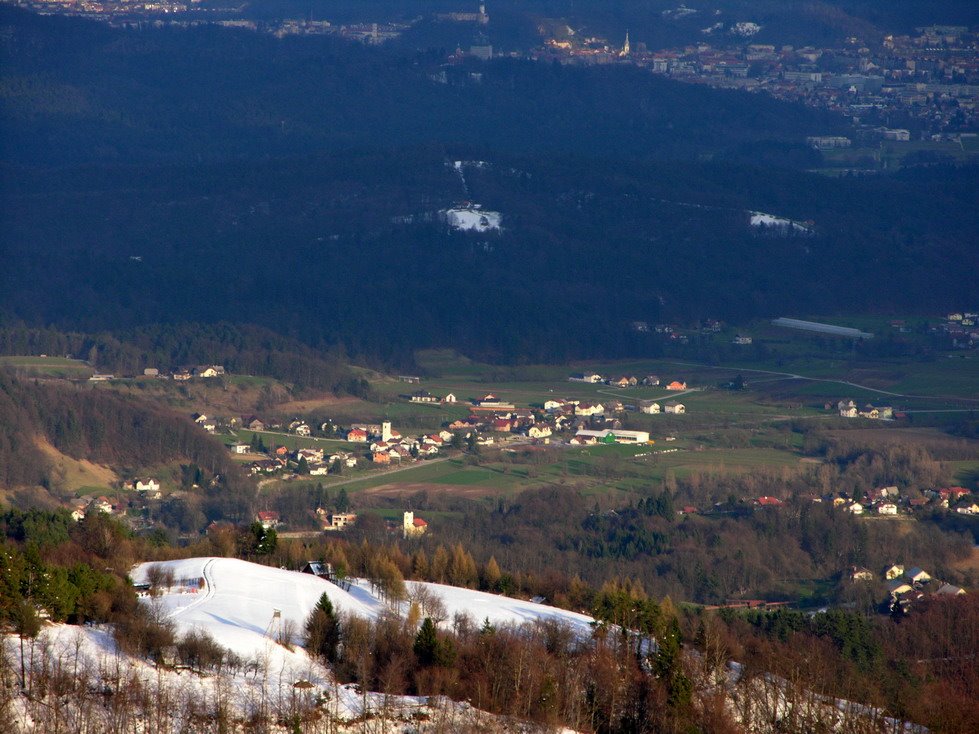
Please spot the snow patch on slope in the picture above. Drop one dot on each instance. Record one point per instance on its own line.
(746, 29)
(761, 219)
(473, 218)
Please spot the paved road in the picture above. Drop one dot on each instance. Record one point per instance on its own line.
(793, 376)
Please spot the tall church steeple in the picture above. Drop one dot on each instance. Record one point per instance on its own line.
(626, 48)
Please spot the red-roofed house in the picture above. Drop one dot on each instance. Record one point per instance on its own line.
(413, 526)
(767, 501)
(268, 518)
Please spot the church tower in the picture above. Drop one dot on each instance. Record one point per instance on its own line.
(626, 48)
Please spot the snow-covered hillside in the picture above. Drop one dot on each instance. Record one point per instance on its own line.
(246, 608)
(237, 602)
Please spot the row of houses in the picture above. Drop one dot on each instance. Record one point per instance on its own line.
(908, 586)
(963, 328)
(624, 381)
(849, 409)
(427, 398)
(889, 501)
(318, 462)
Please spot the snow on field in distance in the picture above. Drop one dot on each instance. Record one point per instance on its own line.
(473, 219)
(745, 29)
(760, 219)
(502, 610)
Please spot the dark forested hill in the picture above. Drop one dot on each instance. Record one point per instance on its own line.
(104, 428)
(73, 90)
(161, 176)
(350, 249)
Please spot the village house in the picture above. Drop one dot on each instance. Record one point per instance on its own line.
(182, 375)
(624, 381)
(614, 436)
(650, 407)
(539, 431)
(675, 408)
(239, 448)
(893, 572)
(855, 508)
(318, 569)
(413, 526)
(491, 402)
(766, 501)
(450, 398)
(209, 370)
(146, 485)
(101, 504)
(589, 409)
(676, 385)
(742, 340)
(847, 409)
(952, 494)
(896, 587)
(501, 425)
(585, 377)
(917, 576)
(336, 521)
(552, 405)
(312, 456)
(301, 429)
(381, 457)
(263, 466)
(861, 574)
(651, 380)
(885, 492)
(356, 435)
(267, 518)
(887, 508)
(423, 396)
(252, 423)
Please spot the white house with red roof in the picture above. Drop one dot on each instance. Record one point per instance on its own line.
(413, 526)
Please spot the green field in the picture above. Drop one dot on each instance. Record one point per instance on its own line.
(290, 441)
(59, 367)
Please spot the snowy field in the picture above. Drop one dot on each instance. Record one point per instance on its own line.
(245, 607)
(238, 601)
(761, 219)
(473, 219)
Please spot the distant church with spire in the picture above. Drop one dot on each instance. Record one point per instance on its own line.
(626, 48)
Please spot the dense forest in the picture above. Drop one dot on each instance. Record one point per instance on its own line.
(79, 92)
(305, 197)
(243, 349)
(349, 250)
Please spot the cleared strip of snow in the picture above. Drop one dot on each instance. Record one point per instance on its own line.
(499, 610)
